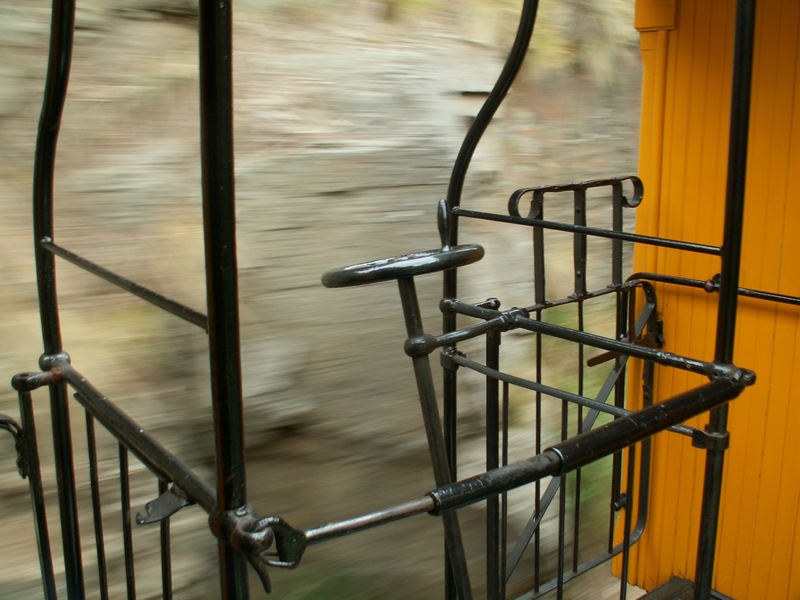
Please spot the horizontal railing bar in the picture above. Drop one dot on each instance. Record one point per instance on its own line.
(712, 286)
(584, 185)
(575, 298)
(148, 295)
(586, 447)
(561, 458)
(157, 458)
(338, 529)
(515, 318)
(554, 392)
(594, 231)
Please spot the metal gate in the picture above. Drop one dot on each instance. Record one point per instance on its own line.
(554, 471)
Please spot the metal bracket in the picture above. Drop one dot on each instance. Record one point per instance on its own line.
(242, 529)
(652, 339)
(620, 503)
(163, 507)
(11, 426)
(446, 359)
(710, 440)
(253, 537)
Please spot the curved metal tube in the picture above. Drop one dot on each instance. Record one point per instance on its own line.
(55, 92)
(496, 96)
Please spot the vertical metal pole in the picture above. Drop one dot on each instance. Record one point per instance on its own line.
(127, 531)
(97, 511)
(433, 430)
(60, 56)
(493, 580)
(729, 282)
(33, 472)
(216, 114)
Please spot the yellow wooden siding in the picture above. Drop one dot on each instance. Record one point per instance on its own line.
(687, 58)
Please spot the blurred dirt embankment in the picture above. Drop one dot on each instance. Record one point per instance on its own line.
(347, 124)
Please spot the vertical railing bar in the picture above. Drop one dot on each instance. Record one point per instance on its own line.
(579, 241)
(59, 60)
(626, 540)
(511, 67)
(34, 474)
(579, 266)
(537, 486)
(562, 510)
(450, 427)
(219, 224)
(504, 495)
(166, 557)
(729, 282)
(127, 533)
(97, 514)
(434, 433)
(492, 462)
(621, 319)
(577, 513)
(540, 297)
(537, 210)
(616, 225)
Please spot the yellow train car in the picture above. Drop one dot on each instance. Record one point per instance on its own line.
(687, 48)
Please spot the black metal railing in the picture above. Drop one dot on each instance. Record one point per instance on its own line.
(557, 471)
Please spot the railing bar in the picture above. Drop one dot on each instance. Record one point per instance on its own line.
(152, 454)
(504, 495)
(579, 427)
(338, 529)
(562, 510)
(127, 533)
(514, 61)
(579, 242)
(222, 296)
(492, 462)
(585, 185)
(587, 447)
(34, 474)
(515, 319)
(713, 286)
(594, 231)
(457, 306)
(563, 457)
(621, 332)
(543, 502)
(562, 503)
(616, 225)
(62, 29)
(710, 369)
(166, 557)
(434, 434)
(555, 392)
(584, 567)
(539, 282)
(97, 514)
(538, 486)
(729, 282)
(626, 543)
(146, 294)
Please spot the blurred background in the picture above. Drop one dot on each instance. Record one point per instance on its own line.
(348, 118)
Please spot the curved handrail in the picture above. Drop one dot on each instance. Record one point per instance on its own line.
(55, 93)
(512, 66)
